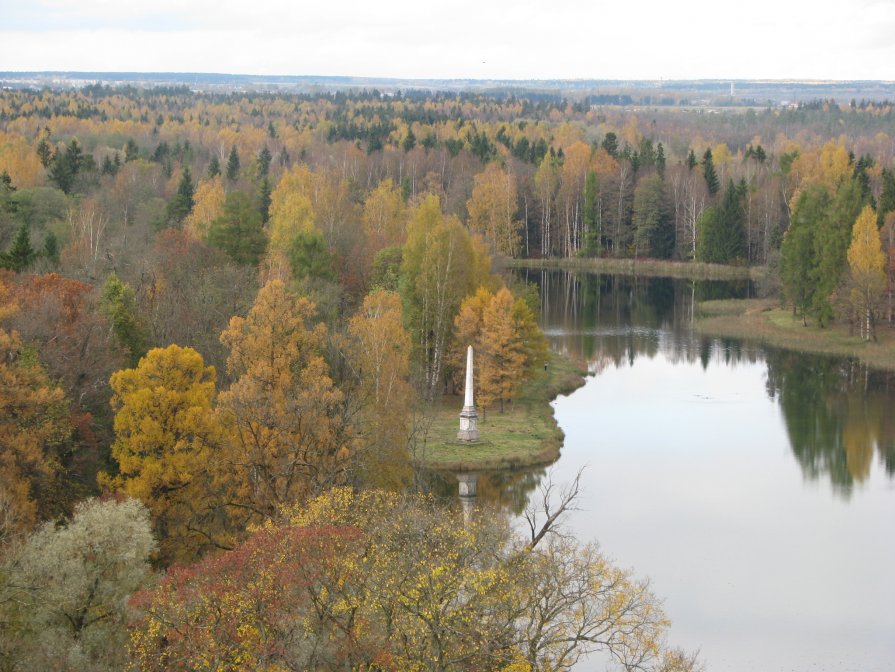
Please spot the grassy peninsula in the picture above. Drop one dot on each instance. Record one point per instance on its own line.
(525, 434)
(763, 320)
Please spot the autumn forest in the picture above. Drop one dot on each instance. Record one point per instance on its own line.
(226, 320)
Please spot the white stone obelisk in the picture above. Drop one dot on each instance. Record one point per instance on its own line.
(468, 417)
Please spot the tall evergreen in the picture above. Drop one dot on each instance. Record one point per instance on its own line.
(691, 160)
(214, 168)
(722, 229)
(652, 221)
(264, 159)
(118, 303)
(610, 144)
(264, 199)
(592, 233)
(238, 231)
(233, 165)
(660, 160)
(64, 166)
(708, 170)
(886, 196)
(182, 203)
(20, 255)
(831, 243)
(798, 251)
(131, 151)
(51, 248)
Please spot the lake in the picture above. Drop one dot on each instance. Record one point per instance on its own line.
(754, 487)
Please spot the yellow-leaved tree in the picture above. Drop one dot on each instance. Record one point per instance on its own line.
(208, 206)
(492, 210)
(385, 216)
(379, 352)
(288, 436)
(867, 268)
(34, 429)
(167, 443)
(508, 343)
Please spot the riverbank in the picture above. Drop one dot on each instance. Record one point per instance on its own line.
(690, 270)
(524, 435)
(765, 321)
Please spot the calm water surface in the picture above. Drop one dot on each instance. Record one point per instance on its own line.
(753, 486)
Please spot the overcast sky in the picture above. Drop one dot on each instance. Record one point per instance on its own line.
(482, 39)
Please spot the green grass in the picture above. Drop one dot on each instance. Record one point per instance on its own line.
(649, 267)
(763, 320)
(525, 434)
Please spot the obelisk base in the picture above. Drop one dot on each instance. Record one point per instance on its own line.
(468, 420)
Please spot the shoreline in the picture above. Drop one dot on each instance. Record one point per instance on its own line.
(526, 434)
(691, 270)
(766, 322)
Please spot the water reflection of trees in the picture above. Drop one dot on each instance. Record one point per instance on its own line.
(613, 319)
(506, 490)
(836, 415)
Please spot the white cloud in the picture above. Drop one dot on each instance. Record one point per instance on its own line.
(464, 38)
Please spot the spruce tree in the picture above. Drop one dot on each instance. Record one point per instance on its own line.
(44, 153)
(708, 170)
(691, 160)
(233, 165)
(722, 230)
(238, 231)
(831, 241)
(886, 196)
(592, 232)
(20, 254)
(51, 248)
(214, 168)
(798, 251)
(182, 204)
(264, 159)
(660, 160)
(264, 199)
(131, 151)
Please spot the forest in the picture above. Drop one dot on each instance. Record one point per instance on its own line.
(225, 319)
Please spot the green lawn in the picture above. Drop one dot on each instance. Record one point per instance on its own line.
(525, 434)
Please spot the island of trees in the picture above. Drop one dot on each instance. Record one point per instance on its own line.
(226, 319)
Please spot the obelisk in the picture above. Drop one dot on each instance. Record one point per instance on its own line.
(468, 416)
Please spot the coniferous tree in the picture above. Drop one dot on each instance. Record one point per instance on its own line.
(264, 159)
(610, 144)
(182, 203)
(65, 166)
(886, 196)
(708, 170)
(51, 248)
(831, 243)
(798, 251)
(131, 151)
(7, 188)
(660, 160)
(238, 230)
(20, 255)
(233, 165)
(264, 199)
(214, 168)
(44, 153)
(722, 237)
(119, 304)
(592, 233)
(653, 224)
(691, 160)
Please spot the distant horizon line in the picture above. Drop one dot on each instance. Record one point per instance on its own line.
(94, 74)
